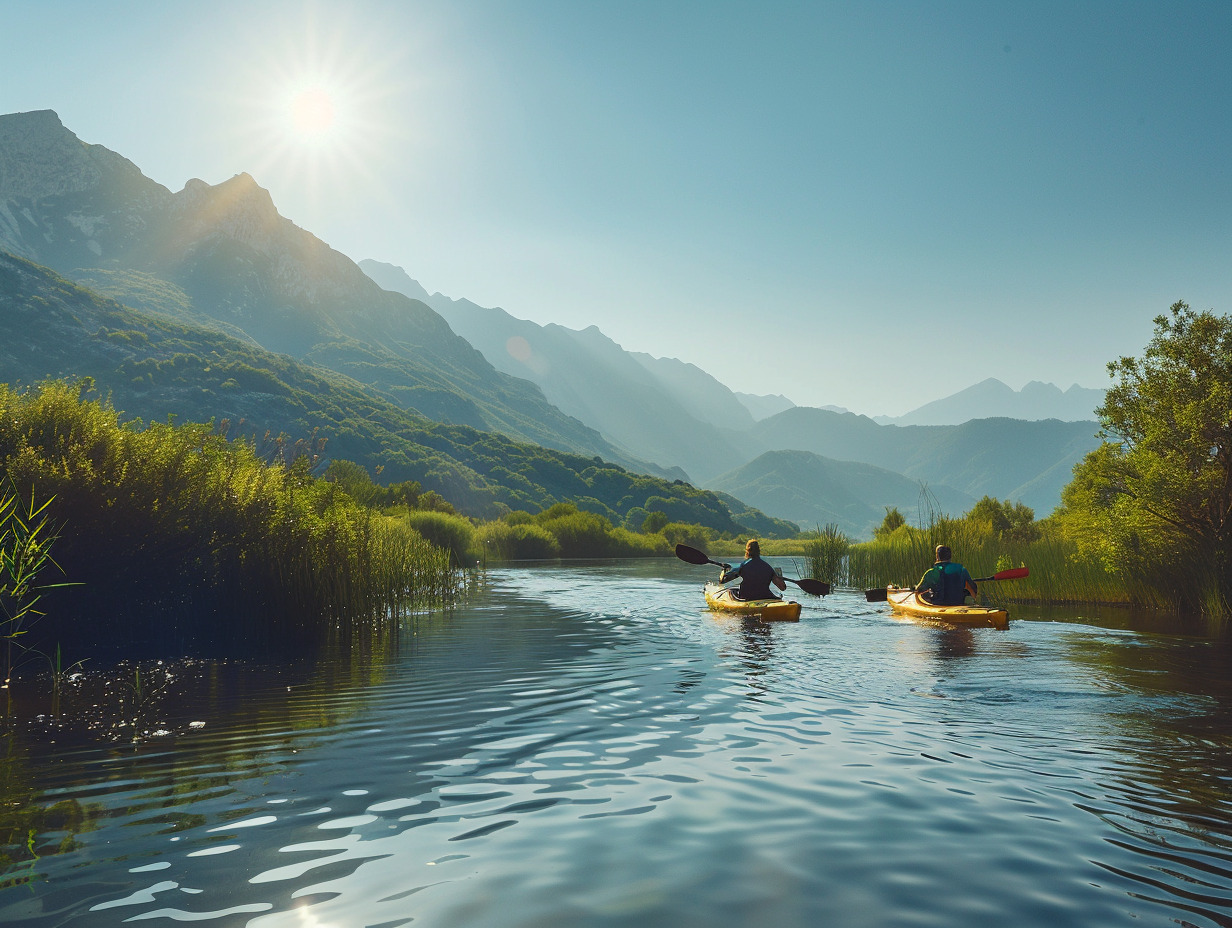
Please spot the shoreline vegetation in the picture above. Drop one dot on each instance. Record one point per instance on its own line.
(169, 535)
(172, 538)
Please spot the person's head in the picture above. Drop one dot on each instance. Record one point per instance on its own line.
(943, 552)
(752, 548)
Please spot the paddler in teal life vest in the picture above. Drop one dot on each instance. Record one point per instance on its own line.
(754, 573)
(946, 583)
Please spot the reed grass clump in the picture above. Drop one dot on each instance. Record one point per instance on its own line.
(176, 534)
(826, 553)
(1060, 571)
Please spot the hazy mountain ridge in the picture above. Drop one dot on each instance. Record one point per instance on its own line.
(819, 491)
(1005, 458)
(223, 256)
(763, 407)
(591, 377)
(82, 209)
(153, 367)
(992, 399)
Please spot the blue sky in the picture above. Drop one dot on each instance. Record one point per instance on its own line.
(865, 204)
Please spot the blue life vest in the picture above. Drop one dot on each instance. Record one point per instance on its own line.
(947, 582)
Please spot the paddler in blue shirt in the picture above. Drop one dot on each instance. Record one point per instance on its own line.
(754, 573)
(946, 583)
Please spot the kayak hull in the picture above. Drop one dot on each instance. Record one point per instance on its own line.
(722, 599)
(908, 602)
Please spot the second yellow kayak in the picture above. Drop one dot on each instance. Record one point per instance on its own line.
(723, 599)
(908, 602)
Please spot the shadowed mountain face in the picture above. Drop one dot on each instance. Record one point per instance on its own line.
(89, 213)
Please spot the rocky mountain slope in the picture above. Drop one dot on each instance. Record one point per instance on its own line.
(82, 209)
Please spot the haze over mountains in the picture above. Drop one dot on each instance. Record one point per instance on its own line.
(430, 375)
(991, 398)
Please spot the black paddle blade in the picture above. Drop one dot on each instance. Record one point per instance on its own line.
(816, 587)
(875, 596)
(692, 555)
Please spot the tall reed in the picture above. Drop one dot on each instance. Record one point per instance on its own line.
(180, 535)
(1059, 572)
(827, 553)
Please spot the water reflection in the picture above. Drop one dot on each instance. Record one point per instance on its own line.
(588, 744)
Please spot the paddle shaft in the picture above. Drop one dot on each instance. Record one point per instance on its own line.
(1014, 573)
(693, 556)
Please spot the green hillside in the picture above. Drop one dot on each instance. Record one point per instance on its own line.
(155, 367)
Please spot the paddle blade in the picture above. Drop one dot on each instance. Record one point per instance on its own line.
(875, 596)
(692, 555)
(1016, 573)
(816, 587)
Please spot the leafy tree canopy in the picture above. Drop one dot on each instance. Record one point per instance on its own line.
(1159, 490)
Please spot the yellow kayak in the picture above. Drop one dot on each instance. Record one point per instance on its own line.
(908, 602)
(722, 599)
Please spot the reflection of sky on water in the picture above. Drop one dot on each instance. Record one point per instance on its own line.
(582, 743)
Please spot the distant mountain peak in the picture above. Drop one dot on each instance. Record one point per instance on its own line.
(991, 398)
(239, 200)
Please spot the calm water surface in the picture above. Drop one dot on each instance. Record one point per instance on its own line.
(586, 745)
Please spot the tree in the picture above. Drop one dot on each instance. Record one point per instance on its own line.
(1006, 520)
(892, 521)
(1158, 492)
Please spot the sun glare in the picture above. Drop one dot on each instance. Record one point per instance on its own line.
(312, 112)
(313, 108)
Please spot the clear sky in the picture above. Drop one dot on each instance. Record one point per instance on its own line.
(868, 204)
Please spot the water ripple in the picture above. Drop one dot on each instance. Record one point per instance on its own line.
(587, 743)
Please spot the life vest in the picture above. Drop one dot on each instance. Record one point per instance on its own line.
(949, 584)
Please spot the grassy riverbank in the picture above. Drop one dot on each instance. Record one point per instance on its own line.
(1060, 573)
(173, 534)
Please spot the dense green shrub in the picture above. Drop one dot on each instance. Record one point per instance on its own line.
(523, 541)
(454, 533)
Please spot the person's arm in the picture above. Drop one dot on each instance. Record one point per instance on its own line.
(928, 581)
(778, 580)
(971, 584)
(729, 573)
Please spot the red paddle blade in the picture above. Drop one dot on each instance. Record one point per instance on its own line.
(1015, 573)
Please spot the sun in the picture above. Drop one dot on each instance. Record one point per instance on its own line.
(314, 109)
(311, 112)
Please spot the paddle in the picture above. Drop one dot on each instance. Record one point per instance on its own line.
(693, 556)
(1014, 573)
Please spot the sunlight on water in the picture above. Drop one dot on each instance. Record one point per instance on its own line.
(586, 744)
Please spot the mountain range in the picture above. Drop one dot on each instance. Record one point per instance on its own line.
(91, 215)
(993, 399)
(170, 291)
(665, 410)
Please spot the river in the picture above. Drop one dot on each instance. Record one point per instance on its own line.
(585, 745)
